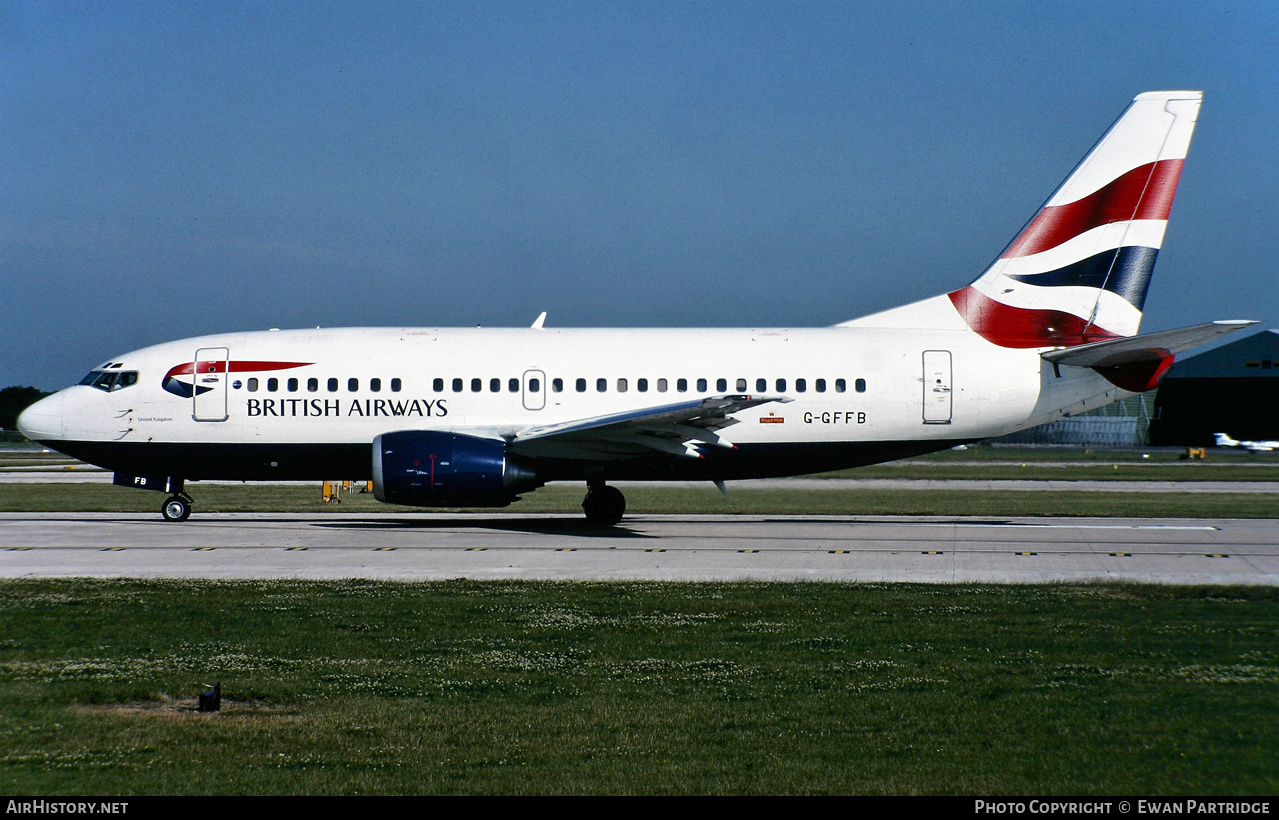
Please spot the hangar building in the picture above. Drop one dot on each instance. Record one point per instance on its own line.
(1232, 389)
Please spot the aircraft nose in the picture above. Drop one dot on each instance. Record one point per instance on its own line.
(42, 421)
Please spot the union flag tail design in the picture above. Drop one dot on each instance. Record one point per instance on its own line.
(1079, 270)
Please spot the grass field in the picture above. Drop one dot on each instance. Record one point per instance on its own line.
(524, 688)
(656, 498)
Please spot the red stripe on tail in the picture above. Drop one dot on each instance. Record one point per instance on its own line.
(1142, 193)
(1009, 326)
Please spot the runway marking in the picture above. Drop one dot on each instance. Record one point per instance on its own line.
(932, 552)
(476, 549)
(384, 549)
(1215, 555)
(654, 550)
(566, 549)
(203, 549)
(1025, 553)
(839, 552)
(1021, 525)
(296, 549)
(19, 549)
(1121, 555)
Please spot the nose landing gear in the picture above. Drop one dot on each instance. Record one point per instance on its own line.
(603, 505)
(177, 508)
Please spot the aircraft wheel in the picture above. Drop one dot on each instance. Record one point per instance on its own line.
(604, 505)
(176, 509)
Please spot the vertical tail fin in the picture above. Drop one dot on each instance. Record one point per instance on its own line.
(1079, 270)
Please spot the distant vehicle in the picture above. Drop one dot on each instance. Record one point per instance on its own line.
(473, 417)
(1224, 440)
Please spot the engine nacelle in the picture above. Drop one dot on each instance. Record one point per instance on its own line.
(425, 468)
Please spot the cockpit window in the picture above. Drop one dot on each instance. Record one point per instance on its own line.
(117, 380)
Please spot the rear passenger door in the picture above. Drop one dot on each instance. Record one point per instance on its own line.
(937, 387)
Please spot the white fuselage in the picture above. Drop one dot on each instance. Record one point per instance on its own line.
(846, 385)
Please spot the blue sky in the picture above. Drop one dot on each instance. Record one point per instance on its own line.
(174, 169)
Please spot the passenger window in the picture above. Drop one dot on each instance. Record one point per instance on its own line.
(800, 385)
(477, 385)
(535, 385)
(641, 385)
(860, 385)
(375, 385)
(721, 385)
(661, 385)
(741, 385)
(253, 384)
(495, 385)
(840, 386)
(781, 385)
(395, 385)
(457, 385)
(682, 385)
(701, 385)
(621, 385)
(513, 385)
(333, 385)
(436, 384)
(293, 385)
(312, 385)
(272, 384)
(581, 385)
(353, 385)
(557, 385)
(601, 385)
(820, 385)
(761, 385)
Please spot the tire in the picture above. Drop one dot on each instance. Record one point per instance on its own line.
(176, 509)
(604, 506)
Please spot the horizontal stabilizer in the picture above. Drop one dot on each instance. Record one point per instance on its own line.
(1146, 347)
(1137, 363)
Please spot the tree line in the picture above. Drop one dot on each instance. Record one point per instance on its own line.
(13, 400)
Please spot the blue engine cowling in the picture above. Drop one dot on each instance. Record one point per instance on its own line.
(424, 468)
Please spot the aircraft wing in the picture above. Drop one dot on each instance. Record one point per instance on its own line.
(677, 429)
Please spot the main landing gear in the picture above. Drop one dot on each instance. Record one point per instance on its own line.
(604, 506)
(177, 508)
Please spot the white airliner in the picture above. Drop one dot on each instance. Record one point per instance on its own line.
(1224, 440)
(474, 417)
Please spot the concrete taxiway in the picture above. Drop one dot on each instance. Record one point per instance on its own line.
(431, 546)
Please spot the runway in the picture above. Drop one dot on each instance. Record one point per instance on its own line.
(436, 546)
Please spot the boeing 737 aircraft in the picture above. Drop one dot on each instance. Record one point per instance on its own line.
(474, 417)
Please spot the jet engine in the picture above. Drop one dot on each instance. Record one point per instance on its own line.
(425, 468)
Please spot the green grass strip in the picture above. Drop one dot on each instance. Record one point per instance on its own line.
(637, 688)
(656, 498)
